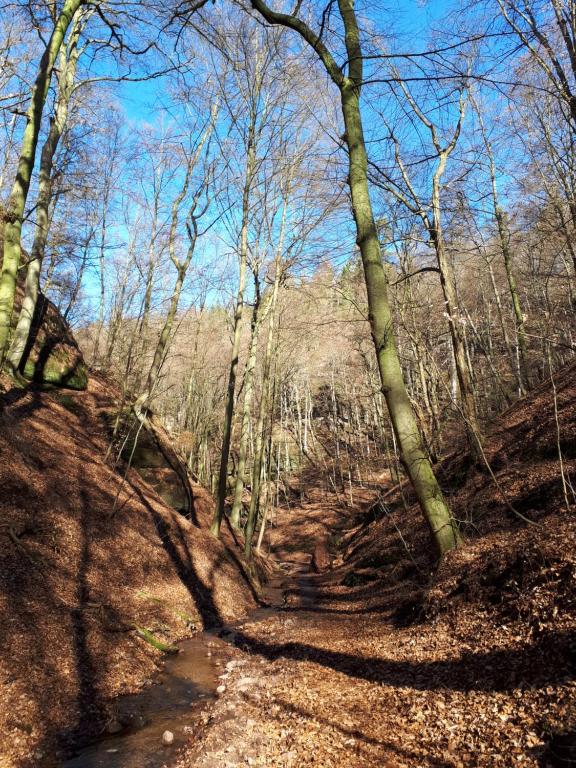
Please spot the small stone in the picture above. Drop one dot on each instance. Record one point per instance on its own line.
(113, 727)
(220, 690)
(167, 738)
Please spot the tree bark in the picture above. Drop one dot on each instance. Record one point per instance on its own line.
(237, 327)
(416, 462)
(259, 315)
(68, 61)
(18, 196)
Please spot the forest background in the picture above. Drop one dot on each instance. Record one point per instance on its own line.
(190, 216)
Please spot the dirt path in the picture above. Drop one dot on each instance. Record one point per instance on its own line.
(334, 679)
(333, 676)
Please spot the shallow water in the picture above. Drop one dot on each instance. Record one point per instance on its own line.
(187, 681)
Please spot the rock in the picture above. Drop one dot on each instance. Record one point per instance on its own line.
(53, 356)
(167, 738)
(113, 727)
(221, 689)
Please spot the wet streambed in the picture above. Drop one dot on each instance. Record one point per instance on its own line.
(174, 703)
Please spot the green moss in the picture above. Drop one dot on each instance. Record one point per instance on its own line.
(57, 374)
(68, 402)
(146, 635)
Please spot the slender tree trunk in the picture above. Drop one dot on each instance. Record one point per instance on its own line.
(514, 295)
(264, 402)
(448, 283)
(504, 240)
(15, 212)
(68, 60)
(414, 457)
(237, 329)
(181, 266)
(499, 309)
(102, 276)
(416, 461)
(258, 317)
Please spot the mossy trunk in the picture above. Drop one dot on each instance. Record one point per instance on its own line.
(68, 61)
(21, 186)
(413, 455)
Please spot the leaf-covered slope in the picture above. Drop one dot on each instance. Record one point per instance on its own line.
(88, 553)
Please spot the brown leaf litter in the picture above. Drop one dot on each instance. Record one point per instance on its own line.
(89, 552)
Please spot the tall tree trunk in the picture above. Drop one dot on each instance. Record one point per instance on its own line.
(448, 283)
(237, 327)
(265, 398)
(258, 317)
(514, 295)
(521, 369)
(414, 457)
(68, 61)
(15, 211)
(181, 266)
(416, 462)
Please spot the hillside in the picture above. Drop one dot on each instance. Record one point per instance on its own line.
(89, 556)
(382, 660)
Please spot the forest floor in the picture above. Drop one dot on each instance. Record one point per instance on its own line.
(90, 556)
(384, 661)
(380, 659)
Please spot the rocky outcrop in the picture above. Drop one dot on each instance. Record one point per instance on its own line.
(52, 356)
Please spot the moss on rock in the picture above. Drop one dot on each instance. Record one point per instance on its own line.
(57, 373)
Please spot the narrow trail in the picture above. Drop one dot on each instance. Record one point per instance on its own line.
(195, 683)
(338, 678)
(179, 698)
(328, 675)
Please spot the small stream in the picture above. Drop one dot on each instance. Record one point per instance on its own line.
(188, 680)
(173, 703)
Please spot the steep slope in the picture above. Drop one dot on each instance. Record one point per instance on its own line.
(384, 661)
(89, 554)
(52, 355)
